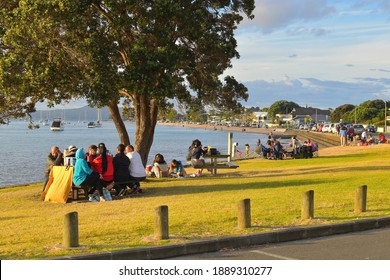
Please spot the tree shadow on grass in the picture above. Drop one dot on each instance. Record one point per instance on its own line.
(197, 189)
(317, 170)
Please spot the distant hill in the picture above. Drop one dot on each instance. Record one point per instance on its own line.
(85, 113)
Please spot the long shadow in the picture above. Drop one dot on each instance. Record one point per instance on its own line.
(316, 170)
(13, 218)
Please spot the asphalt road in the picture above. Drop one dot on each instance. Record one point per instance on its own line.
(364, 245)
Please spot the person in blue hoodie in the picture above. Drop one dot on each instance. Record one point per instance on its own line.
(83, 175)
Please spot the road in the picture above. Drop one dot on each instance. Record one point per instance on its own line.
(364, 245)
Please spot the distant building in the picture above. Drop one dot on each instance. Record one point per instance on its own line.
(310, 115)
(261, 119)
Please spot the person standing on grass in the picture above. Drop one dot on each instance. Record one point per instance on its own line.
(343, 135)
(351, 134)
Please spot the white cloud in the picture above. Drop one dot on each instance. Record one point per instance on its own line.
(316, 93)
(274, 14)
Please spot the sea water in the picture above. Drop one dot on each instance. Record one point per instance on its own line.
(23, 151)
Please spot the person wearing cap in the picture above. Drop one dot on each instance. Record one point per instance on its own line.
(70, 155)
(54, 158)
(72, 151)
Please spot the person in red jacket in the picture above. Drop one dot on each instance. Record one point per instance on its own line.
(103, 164)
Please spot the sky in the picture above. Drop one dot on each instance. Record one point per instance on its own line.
(317, 53)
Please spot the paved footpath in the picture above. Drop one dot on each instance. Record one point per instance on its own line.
(365, 245)
(360, 239)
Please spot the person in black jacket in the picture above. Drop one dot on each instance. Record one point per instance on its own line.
(121, 170)
(55, 158)
(197, 151)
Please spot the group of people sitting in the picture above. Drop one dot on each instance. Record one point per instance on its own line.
(161, 169)
(100, 170)
(275, 150)
(176, 169)
(365, 140)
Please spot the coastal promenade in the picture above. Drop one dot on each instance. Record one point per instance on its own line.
(324, 140)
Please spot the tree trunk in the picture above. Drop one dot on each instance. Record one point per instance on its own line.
(119, 124)
(146, 118)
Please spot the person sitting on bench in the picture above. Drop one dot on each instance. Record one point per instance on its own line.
(84, 176)
(136, 168)
(104, 166)
(121, 170)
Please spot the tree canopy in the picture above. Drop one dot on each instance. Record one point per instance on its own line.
(370, 111)
(147, 51)
(281, 107)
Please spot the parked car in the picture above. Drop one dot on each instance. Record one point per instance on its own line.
(371, 128)
(358, 128)
(326, 127)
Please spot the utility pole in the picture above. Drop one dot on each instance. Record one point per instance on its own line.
(385, 116)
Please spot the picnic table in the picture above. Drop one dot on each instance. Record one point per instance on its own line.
(215, 165)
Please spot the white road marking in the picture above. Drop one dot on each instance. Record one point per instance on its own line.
(271, 255)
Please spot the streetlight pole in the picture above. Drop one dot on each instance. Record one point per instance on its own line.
(385, 117)
(355, 114)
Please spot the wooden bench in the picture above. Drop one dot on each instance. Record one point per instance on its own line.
(76, 189)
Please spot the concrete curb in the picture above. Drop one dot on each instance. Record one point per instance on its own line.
(216, 244)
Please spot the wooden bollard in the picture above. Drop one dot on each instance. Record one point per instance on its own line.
(71, 230)
(161, 226)
(244, 213)
(361, 199)
(307, 211)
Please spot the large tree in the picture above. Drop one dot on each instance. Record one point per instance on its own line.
(147, 51)
(281, 107)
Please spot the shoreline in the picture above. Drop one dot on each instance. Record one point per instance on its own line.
(265, 131)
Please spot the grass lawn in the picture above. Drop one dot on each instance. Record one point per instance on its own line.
(201, 208)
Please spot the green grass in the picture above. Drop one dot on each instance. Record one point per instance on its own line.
(200, 208)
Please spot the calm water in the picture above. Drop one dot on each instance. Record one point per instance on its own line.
(23, 152)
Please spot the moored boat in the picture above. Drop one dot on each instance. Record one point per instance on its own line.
(56, 125)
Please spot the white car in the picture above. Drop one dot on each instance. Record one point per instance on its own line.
(334, 127)
(326, 127)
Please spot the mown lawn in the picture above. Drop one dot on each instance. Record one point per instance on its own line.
(201, 208)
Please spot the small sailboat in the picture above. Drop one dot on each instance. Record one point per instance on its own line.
(99, 120)
(57, 125)
(45, 122)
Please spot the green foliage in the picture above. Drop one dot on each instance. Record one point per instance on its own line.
(339, 113)
(281, 107)
(371, 111)
(148, 51)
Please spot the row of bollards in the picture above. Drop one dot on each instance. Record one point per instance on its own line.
(307, 209)
(161, 223)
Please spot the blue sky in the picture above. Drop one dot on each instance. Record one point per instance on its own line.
(315, 52)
